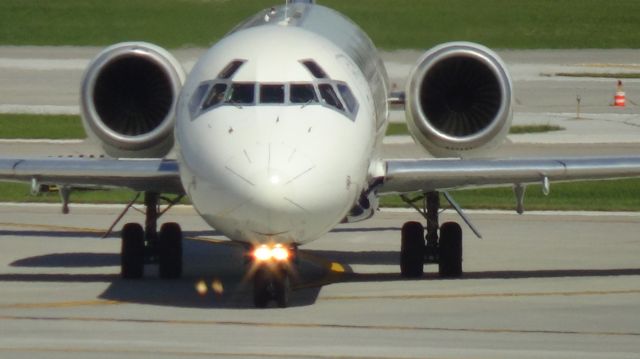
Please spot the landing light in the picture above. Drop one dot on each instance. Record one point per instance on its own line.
(265, 253)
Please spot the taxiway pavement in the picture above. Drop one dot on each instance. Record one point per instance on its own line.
(541, 285)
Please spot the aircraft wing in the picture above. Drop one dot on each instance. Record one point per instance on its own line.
(442, 174)
(158, 175)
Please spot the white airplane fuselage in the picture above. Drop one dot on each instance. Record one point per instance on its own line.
(273, 149)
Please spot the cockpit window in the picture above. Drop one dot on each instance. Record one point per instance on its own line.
(230, 69)
(242, 93)
(330, 97)
(272, 93)
(302, 93)
(315, 69)
(349, 99)
(196, 98)
(216, 95)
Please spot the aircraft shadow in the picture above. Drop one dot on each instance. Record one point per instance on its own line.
(220, 268)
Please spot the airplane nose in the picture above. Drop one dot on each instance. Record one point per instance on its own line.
(271, 179)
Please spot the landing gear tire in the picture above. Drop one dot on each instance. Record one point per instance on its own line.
(412, 250)
(132, 251)
(170, 251)
(450, 248)
(271, 284)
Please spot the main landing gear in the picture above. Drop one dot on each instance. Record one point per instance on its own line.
(147, 246)
(272, 272)
(418, 249)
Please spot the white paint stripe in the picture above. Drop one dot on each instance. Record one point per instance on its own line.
(44, 64)
(31, 141)
(397, 140)
(39, 109)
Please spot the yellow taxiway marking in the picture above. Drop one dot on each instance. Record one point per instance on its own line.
(51, 227)
(64, 304)
(484, 295)
(208, 354)
(383, 327)
(337, 267)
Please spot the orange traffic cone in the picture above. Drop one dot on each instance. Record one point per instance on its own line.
(619, 98)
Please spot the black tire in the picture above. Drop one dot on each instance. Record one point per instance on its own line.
(170, 251)
(282, 288)
(261, 288)
(450, 249)
(412, 250)
(132, 251)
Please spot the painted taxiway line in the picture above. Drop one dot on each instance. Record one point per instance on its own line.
(63, 304)
(39, 109)
(292, 325)
(585, 293)
(35, 141)
(192, 354)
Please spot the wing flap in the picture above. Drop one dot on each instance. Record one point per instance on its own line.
(158, 175)
(436, 174)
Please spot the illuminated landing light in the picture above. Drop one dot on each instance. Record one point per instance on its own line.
(275, 179)
(277, 253)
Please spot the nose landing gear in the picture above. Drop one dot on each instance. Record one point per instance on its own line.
(272, 273)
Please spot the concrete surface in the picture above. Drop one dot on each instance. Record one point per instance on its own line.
(560, 285)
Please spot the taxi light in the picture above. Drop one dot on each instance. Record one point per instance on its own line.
(280, 253)
(265, 253)
(262, 253)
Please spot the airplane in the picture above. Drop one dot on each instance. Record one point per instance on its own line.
(277, 133)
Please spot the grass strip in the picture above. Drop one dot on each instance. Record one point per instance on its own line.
(523, 129)
(615, 195)
(392, 24)
(396, 129)
(41, 127)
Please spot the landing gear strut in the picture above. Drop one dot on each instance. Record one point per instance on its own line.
(147, 246)
(418, 249)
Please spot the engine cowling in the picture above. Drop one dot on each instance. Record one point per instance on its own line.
(458, 100)
(128, 99)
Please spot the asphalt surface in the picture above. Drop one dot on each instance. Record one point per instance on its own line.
(538, 286)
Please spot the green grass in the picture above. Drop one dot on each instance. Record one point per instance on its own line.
(21, 192)
(391, 23)
(615, 195)
(70, 127)
(41, 127)
(395, 129)
(522, 129)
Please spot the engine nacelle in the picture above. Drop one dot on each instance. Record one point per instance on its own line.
(128, 99)
(458, 100)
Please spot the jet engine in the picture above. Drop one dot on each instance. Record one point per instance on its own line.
(458, 100)
(128, 99)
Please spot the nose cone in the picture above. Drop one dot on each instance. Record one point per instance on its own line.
(276, 184)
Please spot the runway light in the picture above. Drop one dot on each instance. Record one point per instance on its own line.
(201, 287)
